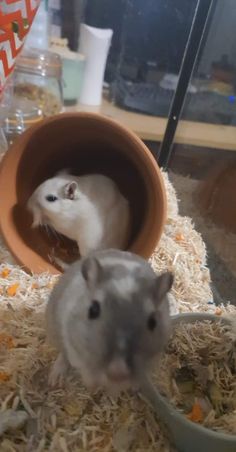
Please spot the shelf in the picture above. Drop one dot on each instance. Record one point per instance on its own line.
(152, 128)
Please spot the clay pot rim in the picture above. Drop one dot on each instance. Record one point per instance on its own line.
(145, 155)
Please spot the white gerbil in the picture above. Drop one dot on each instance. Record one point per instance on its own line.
(88, 209)
(108, 317)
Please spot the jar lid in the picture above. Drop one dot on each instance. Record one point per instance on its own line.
(67, 54)
(39, 62)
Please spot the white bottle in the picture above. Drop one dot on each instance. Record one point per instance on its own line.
(94, 44)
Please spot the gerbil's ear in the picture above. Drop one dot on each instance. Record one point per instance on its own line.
(91, 270)
(163, 285)
(71, 190)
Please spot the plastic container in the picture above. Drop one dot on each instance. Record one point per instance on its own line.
(55, 15)
(186, 435)
(86, 143)
(73, 72)
(38, 36)
(16, 17)
(73, 64)
(38, 78)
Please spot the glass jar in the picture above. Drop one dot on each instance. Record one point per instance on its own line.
(22, 114)
(73, 64)
(38, 78)
(3, 142)
(5, 105)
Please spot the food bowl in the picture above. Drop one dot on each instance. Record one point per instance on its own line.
(185, 434)
(85, 143)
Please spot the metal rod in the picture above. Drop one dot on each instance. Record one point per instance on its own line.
(192, 49)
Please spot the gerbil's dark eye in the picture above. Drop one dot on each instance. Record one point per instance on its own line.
(51, 198)
(94, 310)
(152, 323)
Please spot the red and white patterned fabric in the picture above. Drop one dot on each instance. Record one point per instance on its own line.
(16, 17)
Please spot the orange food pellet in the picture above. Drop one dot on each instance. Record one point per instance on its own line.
(5, 272)
(196, 415)
(35, 286)
(7, 341)
(179, 237)
(11, 290)
(51, 284)
(4, 376)
(218, 311)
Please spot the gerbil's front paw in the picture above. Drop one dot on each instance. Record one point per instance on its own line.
(89, 381)
(58, 372)
(91, 387)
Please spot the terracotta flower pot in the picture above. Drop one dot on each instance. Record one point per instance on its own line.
(85, 143)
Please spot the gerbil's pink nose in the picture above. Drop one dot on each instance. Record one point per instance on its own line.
(118, 370)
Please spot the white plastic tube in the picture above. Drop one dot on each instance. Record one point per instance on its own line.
(94, 45)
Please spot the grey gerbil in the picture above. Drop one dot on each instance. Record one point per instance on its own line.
(88, 209)
(108, 317)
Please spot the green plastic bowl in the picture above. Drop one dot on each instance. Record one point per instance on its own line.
(186, 435)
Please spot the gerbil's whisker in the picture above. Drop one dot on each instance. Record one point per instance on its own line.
(45, 226)
(54, 232)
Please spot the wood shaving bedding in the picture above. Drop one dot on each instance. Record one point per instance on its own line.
(66, 418)
(197, 373)
(69, 419)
